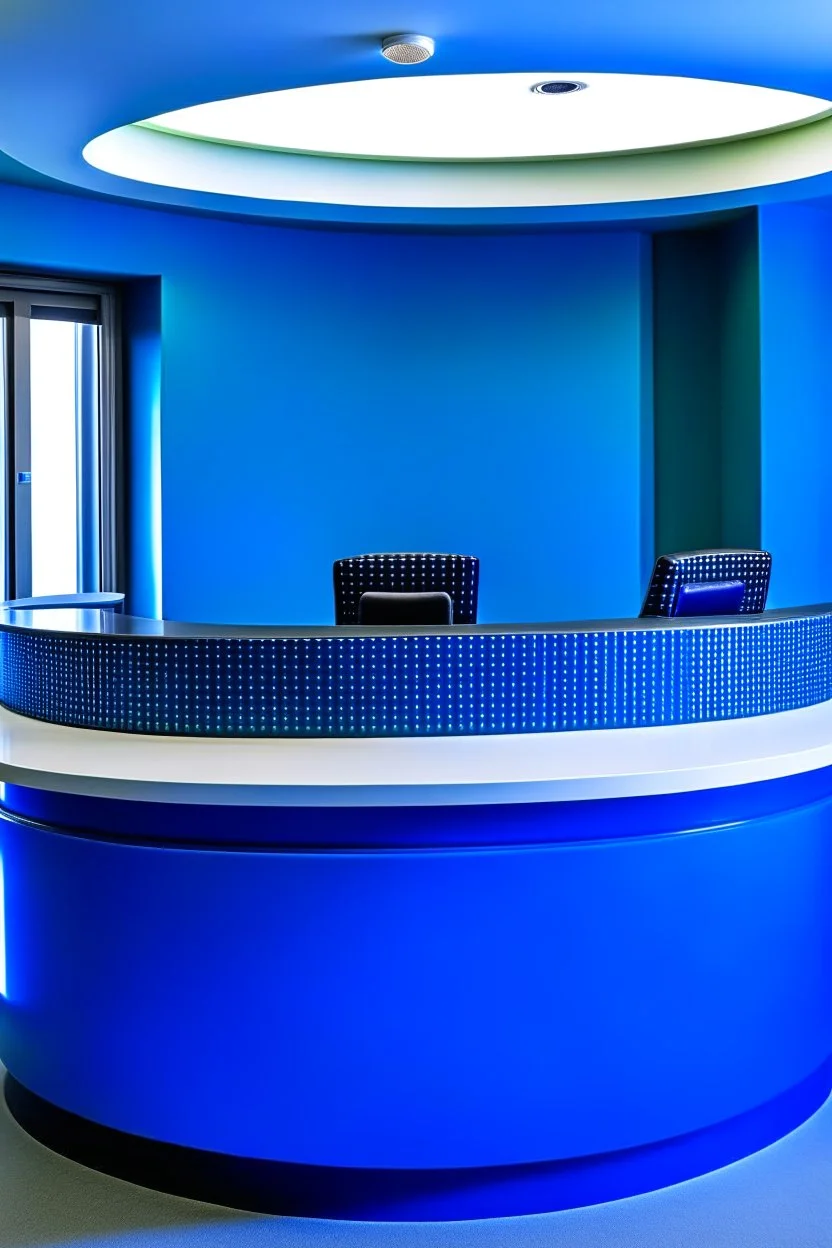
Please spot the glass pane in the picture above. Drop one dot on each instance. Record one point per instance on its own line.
(54, 424)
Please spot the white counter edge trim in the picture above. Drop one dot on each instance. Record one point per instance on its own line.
(414, 771)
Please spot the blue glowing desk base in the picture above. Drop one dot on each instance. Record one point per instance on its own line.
(413, 1195)
(424, 1013)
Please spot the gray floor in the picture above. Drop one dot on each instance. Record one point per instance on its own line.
(781, 1198)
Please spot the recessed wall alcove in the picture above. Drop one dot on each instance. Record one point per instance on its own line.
(742, 318)
(706, 327)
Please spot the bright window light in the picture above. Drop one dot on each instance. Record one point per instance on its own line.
(54, 458)
(494, 116)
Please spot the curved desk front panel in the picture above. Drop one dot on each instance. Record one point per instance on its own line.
(123, 674)
(415, 978)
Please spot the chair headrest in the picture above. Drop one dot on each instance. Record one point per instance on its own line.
(381, 607)
(717, 598)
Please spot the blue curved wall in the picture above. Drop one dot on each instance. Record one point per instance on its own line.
(306, 394)
(796, 391)
(324, 393)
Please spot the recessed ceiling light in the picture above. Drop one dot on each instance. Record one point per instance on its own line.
(560, 86)
(407, 49)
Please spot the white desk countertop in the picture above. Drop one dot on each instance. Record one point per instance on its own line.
(408, 771)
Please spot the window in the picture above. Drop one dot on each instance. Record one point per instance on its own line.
(58, 431)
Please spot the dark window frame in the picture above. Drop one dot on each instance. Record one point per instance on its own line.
(27, 297)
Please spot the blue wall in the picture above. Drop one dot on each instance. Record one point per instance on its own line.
(796, 396)
(325, 393)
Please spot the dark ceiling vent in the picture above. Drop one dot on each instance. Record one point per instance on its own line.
(561, 87)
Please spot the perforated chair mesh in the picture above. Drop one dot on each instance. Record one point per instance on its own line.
(705, 567)
(456, 575)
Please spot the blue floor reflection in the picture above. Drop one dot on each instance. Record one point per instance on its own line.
(780, 1198)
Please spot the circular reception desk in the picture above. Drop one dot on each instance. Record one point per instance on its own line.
(416, 924)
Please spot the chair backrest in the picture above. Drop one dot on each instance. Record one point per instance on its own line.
(455, 575)
(699, 570)
(377, 607)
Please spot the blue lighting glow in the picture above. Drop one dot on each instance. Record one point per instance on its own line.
(156, 501)
(525, 965)
(2, 930)
(451, 684)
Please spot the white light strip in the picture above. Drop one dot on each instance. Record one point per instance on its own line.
(156, 502)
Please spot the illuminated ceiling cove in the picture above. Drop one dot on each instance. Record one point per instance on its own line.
(494, 116)
(686, 108)
(480, 141)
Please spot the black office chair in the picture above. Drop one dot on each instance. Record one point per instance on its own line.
(709, 582)
(377, 607)
(454, 575)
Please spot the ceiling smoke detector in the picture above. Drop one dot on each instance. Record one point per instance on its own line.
(407, 49)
